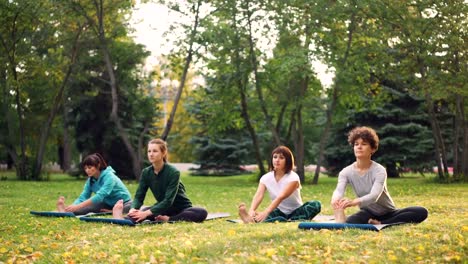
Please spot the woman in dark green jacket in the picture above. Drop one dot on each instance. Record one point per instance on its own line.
(163, 179)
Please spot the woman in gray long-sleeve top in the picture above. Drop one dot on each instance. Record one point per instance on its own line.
(369, 182)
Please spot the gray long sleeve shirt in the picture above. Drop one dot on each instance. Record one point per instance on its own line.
(371, 188)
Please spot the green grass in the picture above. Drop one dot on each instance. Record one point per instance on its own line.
(25, 238)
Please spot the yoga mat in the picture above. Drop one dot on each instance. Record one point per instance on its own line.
(108, 220)
(64, 214)
(127, 222)
(53, 214)
(318, 226)
(317, 218)
(212, 216)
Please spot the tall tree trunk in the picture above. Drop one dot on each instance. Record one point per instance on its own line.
(12, 153)
(326, 131)
(465, 151)
(457, 138)
(299, 144)
(21, 162)
(258, 88)
(136, 164)
(188, 61)
(440, 154)
(114, 117)
(242, 80)
(334, 100)
(37, 168)
(66, 147)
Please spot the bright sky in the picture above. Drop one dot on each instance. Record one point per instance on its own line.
(152, 20)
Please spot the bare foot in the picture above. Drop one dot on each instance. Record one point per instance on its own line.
(61, 204)
(245, 217)
(117, 211)
(162, 218)
(374, 222)
(340, 216)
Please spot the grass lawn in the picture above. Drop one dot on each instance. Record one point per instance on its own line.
(24, 238)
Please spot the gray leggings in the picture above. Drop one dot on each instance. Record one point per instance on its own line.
(97, 207)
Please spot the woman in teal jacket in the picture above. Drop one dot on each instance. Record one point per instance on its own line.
(104, 183)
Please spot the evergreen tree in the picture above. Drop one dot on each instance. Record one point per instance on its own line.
(405, 137)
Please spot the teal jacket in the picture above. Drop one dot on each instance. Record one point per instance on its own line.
(166, 187)
(108, 188)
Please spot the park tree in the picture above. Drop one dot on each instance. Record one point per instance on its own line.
(107, 22)
(228, 66)
(188, 49)
(404, 132)
(427, 41)
(346, 38)
(292, 84)
(39, 49)
(221, 143)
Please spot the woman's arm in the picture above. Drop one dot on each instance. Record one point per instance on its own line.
(106, 188)
(340, 189)
(76, 207)
(257, 199)
(140, 193)
(85, 194)
(288, 190)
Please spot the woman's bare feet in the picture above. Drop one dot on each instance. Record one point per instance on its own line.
(340, 216)
(245, 217)
(117, 210)
(162, 218)
(374, 222)
(61, 204)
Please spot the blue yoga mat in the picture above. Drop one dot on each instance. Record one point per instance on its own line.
(63, 214)
(127, 222)
(318, 226)
(53, 214)
(108, 220)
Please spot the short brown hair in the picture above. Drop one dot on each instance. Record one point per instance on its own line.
(287, 153)
(367, 134)
(95, 160)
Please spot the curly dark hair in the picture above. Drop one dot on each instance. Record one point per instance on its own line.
(367, 134)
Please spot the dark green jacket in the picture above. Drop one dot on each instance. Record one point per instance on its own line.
(166, 187)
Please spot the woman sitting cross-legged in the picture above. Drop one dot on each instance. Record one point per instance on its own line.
(283, 186)
(369, 182)
(172, 203)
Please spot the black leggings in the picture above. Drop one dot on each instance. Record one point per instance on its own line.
(191, 214)
(413, 214)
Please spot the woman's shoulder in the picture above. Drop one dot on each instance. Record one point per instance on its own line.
(267, 176)
(108, 171)
(348, 168)
(147, 168)
(170, 167)
(293, 175)
(377, 166)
